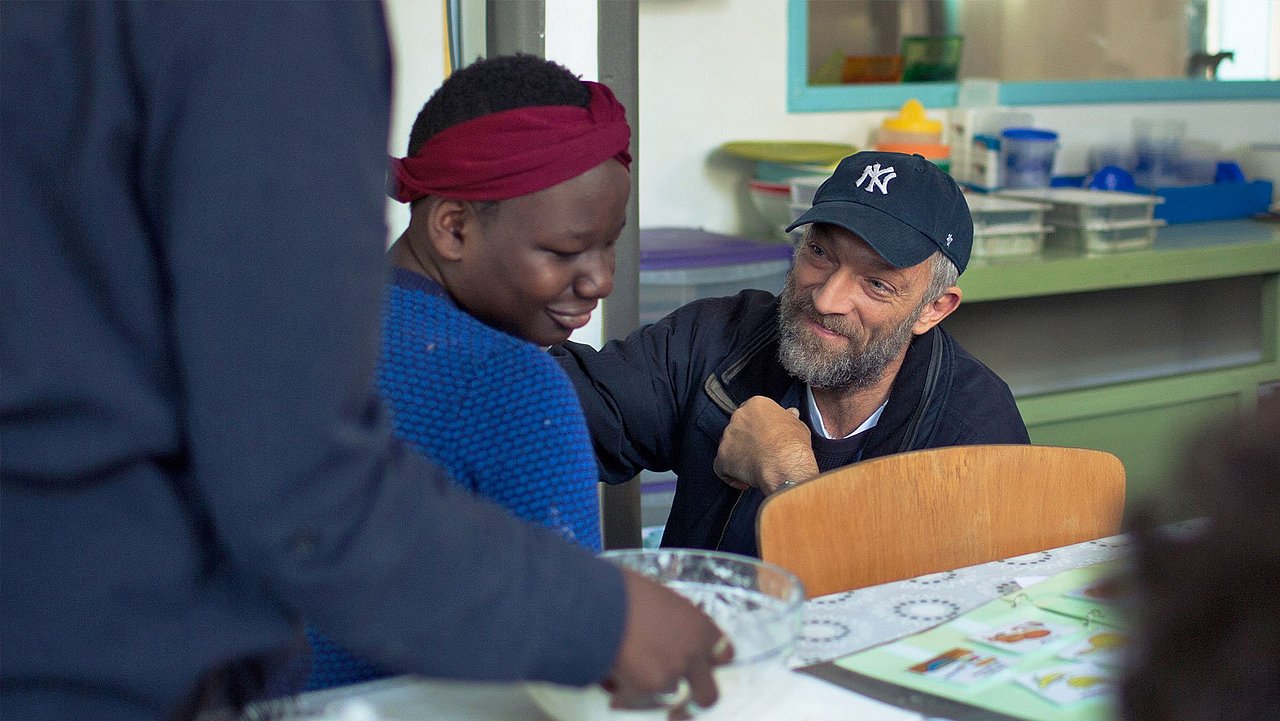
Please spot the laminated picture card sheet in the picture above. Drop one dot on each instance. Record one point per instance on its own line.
(1049, 652)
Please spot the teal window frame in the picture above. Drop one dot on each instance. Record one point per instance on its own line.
(803, 97)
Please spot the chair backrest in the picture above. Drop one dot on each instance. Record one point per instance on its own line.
(908, 514)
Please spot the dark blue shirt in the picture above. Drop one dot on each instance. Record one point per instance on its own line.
(194, 456)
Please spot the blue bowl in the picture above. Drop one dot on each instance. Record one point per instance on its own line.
(1111, 177)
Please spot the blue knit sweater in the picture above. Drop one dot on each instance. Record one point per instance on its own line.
(494, 410)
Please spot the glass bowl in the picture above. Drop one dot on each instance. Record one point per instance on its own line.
(758, 605)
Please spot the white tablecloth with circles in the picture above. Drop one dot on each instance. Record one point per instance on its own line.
(841, 623)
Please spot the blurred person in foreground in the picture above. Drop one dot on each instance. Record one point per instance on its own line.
(517, 179)
(194, 455)
(745, 395)
(1206, 623)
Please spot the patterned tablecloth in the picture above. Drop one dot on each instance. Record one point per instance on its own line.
(842, 623)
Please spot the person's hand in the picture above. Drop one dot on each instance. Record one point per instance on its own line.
(667, 642)
(765, 446)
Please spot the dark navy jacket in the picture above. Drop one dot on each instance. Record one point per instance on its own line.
(192, 453)
(661, 399)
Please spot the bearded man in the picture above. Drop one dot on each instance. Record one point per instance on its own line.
(743, 395)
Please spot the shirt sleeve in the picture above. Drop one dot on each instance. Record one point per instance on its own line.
(262, 169)
(636, 391)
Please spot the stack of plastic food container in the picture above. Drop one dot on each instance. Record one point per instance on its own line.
(912, 131)
(1095, 221)
(1004, 227)
(678, 265)
(803, 190)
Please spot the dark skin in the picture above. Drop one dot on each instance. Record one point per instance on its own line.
(535, 267)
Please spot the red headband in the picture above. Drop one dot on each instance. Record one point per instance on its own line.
(515, 152)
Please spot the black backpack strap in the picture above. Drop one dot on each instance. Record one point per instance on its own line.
(909, 440)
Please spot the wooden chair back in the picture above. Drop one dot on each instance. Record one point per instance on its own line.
(908, 514)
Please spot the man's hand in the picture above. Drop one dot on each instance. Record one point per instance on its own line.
(667, 642)
(764, 446)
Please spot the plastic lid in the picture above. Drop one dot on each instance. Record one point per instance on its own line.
(670, 248)
(991, 142)
(911, 119)
(1028, 134)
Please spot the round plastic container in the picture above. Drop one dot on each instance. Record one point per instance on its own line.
(1027, 157)
(1157, 150)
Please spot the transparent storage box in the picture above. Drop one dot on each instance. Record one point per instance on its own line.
(804, 187)
(1106, 237)
(995, 213)
(678, 265)
(1085, 208)
(1009, 241)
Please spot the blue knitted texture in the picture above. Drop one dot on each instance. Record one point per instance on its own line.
(494, 410)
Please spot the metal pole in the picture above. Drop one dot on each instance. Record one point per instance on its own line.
(618, 57)
(515, 27)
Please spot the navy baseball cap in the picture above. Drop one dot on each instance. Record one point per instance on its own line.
(903, 206)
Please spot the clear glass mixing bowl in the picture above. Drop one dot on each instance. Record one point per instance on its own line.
(758, 605)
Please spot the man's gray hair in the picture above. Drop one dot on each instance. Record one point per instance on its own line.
(943, 275)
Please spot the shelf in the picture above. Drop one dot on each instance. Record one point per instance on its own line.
(1187, 252)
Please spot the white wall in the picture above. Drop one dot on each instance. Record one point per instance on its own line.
(416, 30)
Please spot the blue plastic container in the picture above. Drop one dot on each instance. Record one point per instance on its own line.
(1027, 157)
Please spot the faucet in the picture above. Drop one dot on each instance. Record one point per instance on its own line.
(1205, 65)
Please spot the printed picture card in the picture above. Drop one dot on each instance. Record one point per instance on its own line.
(1068, 683)
(960, 666)
(1104, 647)
(1105, 590)
(1025, 636)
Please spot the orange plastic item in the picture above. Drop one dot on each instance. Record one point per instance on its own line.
(871, 69)
(932, 151)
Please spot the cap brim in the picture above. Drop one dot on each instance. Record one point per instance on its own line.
(898, 243)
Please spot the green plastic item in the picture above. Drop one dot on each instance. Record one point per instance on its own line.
(785, 151)
(930, 58)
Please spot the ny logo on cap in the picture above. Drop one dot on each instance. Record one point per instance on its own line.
(877, 178)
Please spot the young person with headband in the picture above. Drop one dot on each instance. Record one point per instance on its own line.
(517, 178)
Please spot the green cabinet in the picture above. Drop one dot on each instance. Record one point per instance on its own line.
(1135, 352)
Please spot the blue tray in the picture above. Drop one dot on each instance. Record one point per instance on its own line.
(1219, 201)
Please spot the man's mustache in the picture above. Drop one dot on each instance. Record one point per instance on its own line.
(804, 308)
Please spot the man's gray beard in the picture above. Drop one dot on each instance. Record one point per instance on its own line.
(805, 356)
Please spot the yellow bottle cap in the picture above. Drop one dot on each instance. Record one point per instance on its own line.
(911, 119)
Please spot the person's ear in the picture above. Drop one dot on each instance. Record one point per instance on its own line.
(447, 228)
(933, 313)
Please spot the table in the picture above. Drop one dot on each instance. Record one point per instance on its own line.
(839, 624)
(835, 625)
